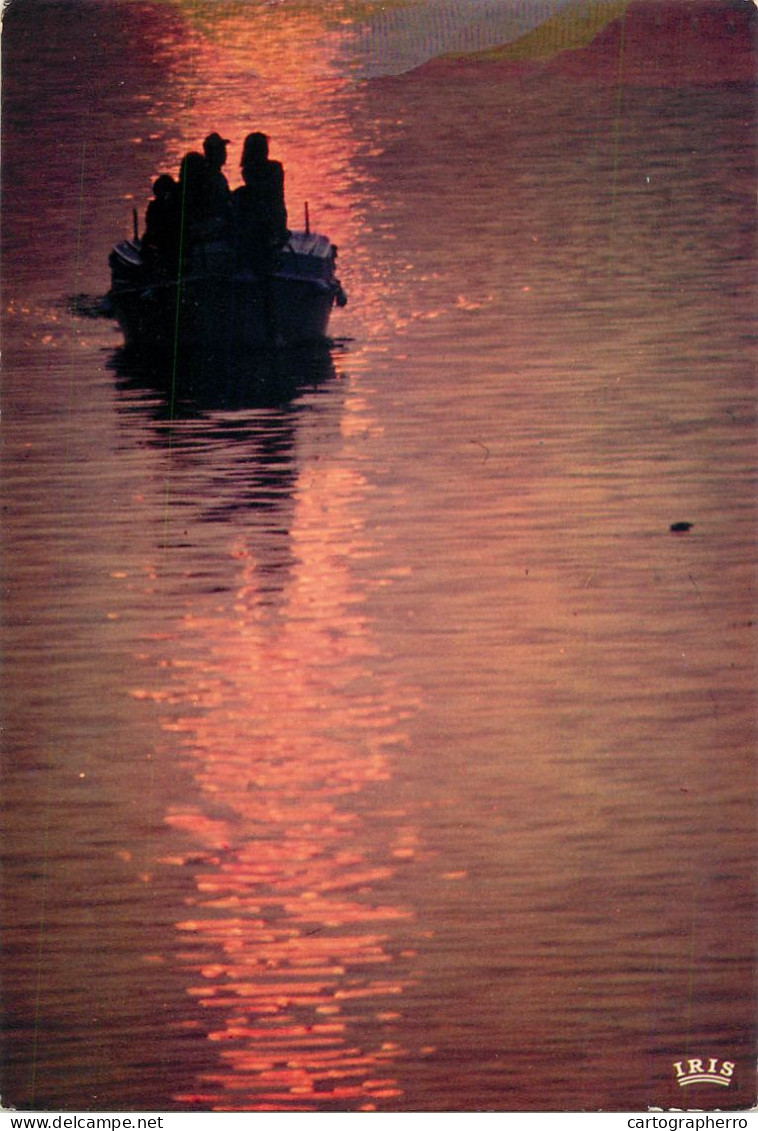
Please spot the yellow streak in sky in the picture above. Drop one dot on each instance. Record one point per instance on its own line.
(573, 27)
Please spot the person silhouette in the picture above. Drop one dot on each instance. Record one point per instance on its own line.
(192, 190)
(161, 239)
(260, 220)
(259, 207)
(217, 193)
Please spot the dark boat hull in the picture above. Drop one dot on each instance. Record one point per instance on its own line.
(211, 308)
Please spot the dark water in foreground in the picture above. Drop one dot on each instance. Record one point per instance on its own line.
(379, 747)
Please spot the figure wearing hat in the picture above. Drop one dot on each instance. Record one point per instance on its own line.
(217, 194)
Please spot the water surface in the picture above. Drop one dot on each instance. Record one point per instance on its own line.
(374, 744)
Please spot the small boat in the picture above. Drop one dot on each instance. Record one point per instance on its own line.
(213, 306)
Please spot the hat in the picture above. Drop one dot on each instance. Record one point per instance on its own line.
(215, 141)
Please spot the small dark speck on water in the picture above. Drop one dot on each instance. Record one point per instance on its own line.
(680, 527)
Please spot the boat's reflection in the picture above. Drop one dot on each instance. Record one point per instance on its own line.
(207, 381)
(296, 944)
(234, 440)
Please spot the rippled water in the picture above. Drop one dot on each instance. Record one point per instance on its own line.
(373, 744)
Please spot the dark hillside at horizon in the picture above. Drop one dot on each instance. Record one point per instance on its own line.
(654, 43)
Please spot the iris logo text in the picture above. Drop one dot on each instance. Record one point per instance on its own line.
(705, 1070)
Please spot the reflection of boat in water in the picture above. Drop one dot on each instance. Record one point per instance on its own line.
(205, 382)
(237, 443)
(212, 306)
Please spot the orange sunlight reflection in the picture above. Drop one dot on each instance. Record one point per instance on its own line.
(282, 69)
(286, 724)
(261, 67)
